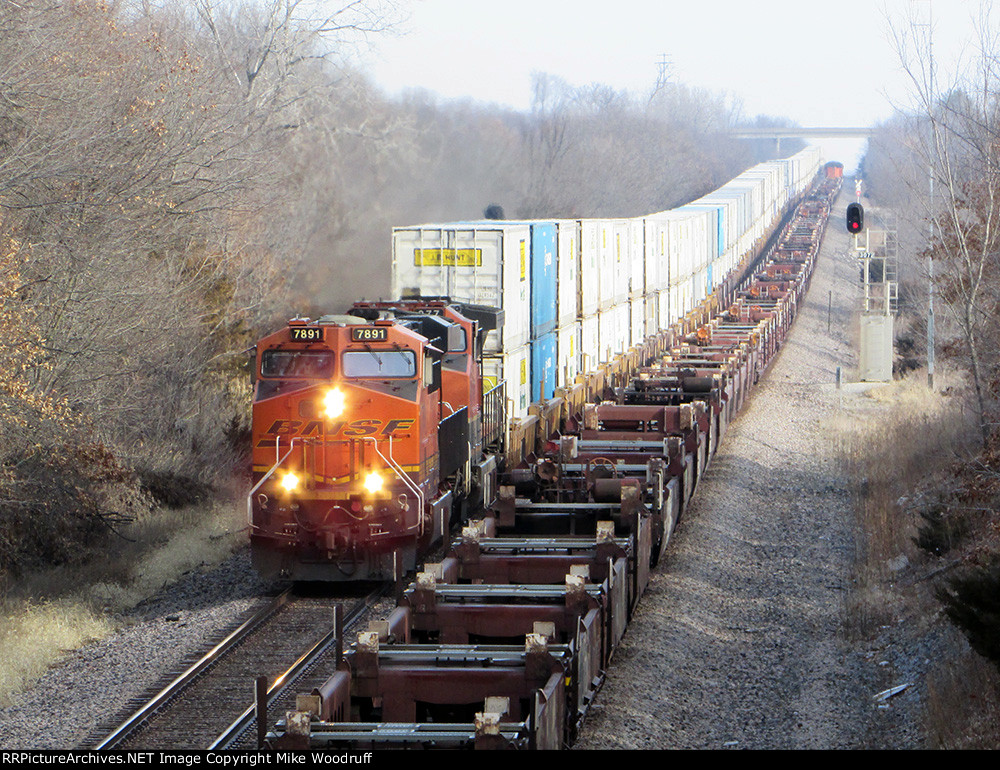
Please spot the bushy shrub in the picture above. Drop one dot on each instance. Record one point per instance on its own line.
(972, 602)
(940, 531)
(61, 503)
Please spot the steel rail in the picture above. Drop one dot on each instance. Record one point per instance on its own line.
(279, 687)
(127, 727)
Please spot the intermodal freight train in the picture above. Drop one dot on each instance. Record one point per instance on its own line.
(505, 640)
(376, 431)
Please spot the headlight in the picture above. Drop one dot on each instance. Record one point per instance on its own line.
(334, 403)
(289, 482)
(373, 482)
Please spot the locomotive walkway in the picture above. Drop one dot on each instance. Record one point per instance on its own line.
(738, 640)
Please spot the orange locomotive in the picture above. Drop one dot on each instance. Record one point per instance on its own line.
(368, 438)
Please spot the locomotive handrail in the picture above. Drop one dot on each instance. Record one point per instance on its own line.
(493, 413)
(391, 462)
(266, 476)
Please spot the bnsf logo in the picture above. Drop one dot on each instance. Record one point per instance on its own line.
(340, 427)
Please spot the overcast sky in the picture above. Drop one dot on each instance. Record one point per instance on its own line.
(818, 62)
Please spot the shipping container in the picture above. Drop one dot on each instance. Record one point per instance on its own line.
(544, 362)
(687, 239)
(543, 278)
(655, 253)
(652, 313)
(568, 353)
(614, 248)
(590, 267)
(568, 285)
(515, 369)
(578, 292)
(486, 263)
(637, 257)
(543, 367)
(590, 343)
(613, 332)
(637, 320)
(682, 299)
(666, 311)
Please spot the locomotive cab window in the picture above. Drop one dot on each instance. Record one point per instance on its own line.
(458, 340)
(316, 364)
(380, 364)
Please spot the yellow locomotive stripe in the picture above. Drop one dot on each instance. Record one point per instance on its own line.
(266, 468)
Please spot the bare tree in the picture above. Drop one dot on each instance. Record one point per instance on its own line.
(955, 137)
(148, 158)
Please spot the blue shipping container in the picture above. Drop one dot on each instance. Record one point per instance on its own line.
(543, 279)
(543, 367)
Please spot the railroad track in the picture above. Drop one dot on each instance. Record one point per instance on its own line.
(211, 702)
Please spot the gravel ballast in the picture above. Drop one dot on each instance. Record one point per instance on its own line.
(738, 641)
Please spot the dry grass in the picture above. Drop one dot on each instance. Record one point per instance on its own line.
(166, 547)
(32, 636)
(60, 609)
(963, 703)
(894, 445)
(899, 448)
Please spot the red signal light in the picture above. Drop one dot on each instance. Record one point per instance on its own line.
(855, 217)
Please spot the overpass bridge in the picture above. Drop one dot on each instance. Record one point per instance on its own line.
(797, 132)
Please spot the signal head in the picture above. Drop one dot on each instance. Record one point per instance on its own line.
(855, 218)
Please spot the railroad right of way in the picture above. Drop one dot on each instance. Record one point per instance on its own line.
(739, 642)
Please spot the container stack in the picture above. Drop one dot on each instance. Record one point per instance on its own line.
(578, 293)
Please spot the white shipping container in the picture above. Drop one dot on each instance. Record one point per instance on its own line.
(590, 267)
(637, 320)
(568, 353)
(623, 259)
(681, 300)
(686, 244)
(624, 322)
(515, 368)
(613, 261)
(655, 251)
(701, 224)
(481, 263)
(568, 302)
(727, 263)
(607, 340)
(637, 257)
(699, 288)
(590, 343)
(809, 162)
(652, 313)
(666, 313)
(613, 331)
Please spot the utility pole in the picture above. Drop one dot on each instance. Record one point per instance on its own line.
(930, 179)
(931, 164)
(663, 67)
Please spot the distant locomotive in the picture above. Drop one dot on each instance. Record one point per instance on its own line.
(368, 436)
